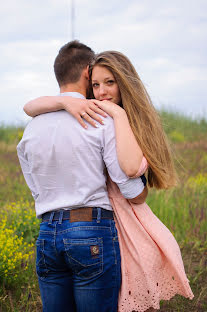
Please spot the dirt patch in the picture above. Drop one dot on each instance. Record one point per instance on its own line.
(9, 157)
(192, 145)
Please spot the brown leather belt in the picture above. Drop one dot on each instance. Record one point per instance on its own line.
(77, 215)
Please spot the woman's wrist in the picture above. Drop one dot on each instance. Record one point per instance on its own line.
(67, 102)
(119, 112)
(62, 102)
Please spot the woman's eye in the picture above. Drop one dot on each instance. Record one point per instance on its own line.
(95, 85)
(110, 82)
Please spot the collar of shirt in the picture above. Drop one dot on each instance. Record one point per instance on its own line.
(73, 94)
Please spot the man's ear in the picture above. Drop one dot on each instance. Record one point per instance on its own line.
(86, 72)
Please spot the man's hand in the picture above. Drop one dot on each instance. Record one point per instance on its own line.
(140, 199)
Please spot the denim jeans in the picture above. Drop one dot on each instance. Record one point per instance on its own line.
(78, 266)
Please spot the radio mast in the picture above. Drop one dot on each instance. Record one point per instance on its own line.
(73, 19)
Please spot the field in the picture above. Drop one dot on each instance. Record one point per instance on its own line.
(182, 210)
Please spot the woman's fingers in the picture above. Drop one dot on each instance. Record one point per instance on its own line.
(87, 111)
(87, 116)
(90, 120)
(93, 113)
(93, 106)
(97, 102)
(81, 122)
(107, 107)
(103, 105)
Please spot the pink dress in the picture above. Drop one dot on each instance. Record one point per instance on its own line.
(151, 262)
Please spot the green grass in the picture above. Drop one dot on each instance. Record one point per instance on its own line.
(180, 128)
(10, 134)
(182, 210)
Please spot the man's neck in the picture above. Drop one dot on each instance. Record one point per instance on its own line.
(73, 88)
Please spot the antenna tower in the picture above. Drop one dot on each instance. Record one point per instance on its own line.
(73, 19)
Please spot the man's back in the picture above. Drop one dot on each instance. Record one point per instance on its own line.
(65, 162)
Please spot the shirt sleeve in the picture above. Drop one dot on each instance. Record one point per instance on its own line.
(26, 172)
(130, 188)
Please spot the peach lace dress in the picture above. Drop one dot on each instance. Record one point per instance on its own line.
(151, 262)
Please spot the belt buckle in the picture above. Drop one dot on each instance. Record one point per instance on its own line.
(81, 214)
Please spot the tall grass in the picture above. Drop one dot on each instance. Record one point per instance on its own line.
(11, 134)
(182, 210)
(180, 128)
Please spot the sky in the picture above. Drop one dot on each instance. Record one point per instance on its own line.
(165, 40)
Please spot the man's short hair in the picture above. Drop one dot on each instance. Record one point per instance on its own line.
(72, 58)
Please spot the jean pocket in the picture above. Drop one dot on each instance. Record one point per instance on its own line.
(41, 267)
(85, 256)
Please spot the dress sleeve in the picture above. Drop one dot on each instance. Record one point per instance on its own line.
(143, 167)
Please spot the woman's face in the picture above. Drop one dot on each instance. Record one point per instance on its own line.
(104, 85)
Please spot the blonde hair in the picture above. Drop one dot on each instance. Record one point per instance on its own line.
(143, 119)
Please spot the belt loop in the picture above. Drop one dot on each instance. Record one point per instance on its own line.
(98, 214)
(51, 217)
(60, 217)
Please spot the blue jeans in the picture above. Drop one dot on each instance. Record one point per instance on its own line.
(78, 266)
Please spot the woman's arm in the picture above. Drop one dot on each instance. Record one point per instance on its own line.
(43, 104)
(79, 108)
(128, 151)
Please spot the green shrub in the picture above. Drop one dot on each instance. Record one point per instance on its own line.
(18, 232)
(11, 134)
(176, 137)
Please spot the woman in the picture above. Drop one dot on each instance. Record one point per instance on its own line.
(152, 267)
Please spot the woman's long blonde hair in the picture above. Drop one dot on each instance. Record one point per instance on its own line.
(143, 119)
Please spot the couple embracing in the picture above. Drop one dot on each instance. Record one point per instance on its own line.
(88, 163)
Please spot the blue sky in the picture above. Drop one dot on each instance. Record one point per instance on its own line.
(165, 40)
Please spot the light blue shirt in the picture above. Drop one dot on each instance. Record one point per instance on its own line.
(64, 164)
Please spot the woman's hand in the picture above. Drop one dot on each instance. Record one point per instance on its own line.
(109, 107)
(80, 108)
(83, 109)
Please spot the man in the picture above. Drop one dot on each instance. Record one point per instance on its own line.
(78, 257)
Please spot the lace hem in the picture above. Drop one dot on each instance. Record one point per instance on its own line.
(148, 295)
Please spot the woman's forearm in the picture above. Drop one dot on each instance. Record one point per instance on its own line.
(43, 104)
(81, 109)
(128, 151)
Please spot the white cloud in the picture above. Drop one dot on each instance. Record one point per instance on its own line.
(165, 41)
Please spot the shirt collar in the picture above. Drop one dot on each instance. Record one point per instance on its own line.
(73, 94)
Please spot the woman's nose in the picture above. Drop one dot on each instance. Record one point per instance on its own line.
(102, 90)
